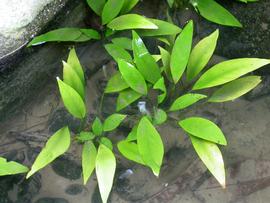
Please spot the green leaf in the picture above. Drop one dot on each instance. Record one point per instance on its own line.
(150, 145)
(105, 170)
(164, 40)
(156, 57)
(89, 34)
(201, 54)
(96, 6)
(128, 6)
(181, 52)
(111, 9)
(132, 136)
(125, 98)
(57, 145)
(166, 58)
(144, 61)
(116, 83)
(11, 167)
(235, 89)
(118, 52)
(71, 78)
(74, 62)
(131, 21)
(89, 154)
(132, 77)
(211, 156)
(186, 101)
(64, 35)
(228, 70)
(214, 12)
(204, 129)
(160, 116)
(170, 2)
(72, 100)
(123, 42)
(130, 151)
(164, 28)
(107, 142)
(97, 126)
(85, 136)
(160, 85)
(113, 121)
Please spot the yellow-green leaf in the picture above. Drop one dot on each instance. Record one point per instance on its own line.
(131, 21)
(150, 145)
(181, 51)
(11, 167)
(130, 151)
(125, 98)
(113, 121)
(89, 154)
(160, 85)
(144, 61)
(72, 100)
(128, 6)
(229, 70)
(118, 52)
(201, 54)
(71, 78)
(186, 100)
(211, 156)
(57, 145)
(204, 129)
(97, 126)
(132, 77)
(111, 9)
(123, 42)
(96, 6)
(116, 84)
(235, 89)
(105, 170)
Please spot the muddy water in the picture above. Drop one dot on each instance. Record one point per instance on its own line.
(183, 177)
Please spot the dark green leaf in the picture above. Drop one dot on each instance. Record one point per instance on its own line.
(128, 6)
(132, 77)
(130, 151)
(89, 154)
(72, 100)
(105, 170)
(57, 145)
(170, 2)
(204, 129)
(201, 54)
(97, 126)
(235, 89)
(116, 84)
(113, 121)
(64, 35)
(181, 52)
(111, 9)
(144, 61)
(72, 79)
(228, 70)
(164, 28)
(96, 6)
(150, 145)
(214, 12)
(11, 167)
(125, 98)
(211, 156)
(118, 52)
(123, 42)
(186, 101)
(131, 21)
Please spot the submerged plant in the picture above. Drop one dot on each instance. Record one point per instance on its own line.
(179, 77)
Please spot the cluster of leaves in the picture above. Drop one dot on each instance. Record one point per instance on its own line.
(213, 11)
(177, 74)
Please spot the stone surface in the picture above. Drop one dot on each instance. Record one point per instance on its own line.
(74, 189)
(51, 200)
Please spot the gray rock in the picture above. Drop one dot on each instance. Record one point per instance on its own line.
(74, 189)
(66, 168)
(51, 200)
